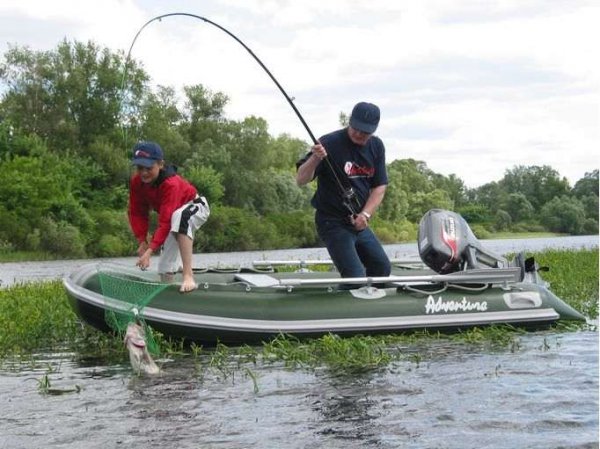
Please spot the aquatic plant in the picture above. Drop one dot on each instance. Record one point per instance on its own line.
(573, 276)
(502, 336)
(252, 376)
(337, 353)
(219, 360)
(45, 385)
(37, 317)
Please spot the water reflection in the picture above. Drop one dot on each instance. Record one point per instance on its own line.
(346, 408)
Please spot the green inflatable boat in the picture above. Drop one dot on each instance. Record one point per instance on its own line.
(455, 284)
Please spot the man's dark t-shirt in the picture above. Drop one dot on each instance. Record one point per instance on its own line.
(361, 167)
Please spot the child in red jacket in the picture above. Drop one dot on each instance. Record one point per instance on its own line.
(181, 211)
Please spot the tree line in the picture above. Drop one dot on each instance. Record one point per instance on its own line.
(69, 117)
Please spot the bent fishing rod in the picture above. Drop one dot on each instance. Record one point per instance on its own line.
(348, 195)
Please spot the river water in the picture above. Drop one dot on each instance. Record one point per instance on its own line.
(539, 393)
(16, 272)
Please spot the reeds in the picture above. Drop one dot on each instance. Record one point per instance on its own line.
(37, 317)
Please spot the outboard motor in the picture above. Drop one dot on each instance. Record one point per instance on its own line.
(447, 244)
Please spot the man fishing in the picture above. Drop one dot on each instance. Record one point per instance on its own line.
(349, 165)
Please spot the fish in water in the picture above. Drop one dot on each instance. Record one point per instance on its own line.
(140, 358)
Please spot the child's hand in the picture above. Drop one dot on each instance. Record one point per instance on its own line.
(142, 249)
(144, 260)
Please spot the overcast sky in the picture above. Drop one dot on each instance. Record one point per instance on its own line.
(469, 87)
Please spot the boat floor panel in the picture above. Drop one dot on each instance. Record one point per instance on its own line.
(257, 280)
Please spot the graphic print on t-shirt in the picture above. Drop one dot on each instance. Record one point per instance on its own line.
(356, 171)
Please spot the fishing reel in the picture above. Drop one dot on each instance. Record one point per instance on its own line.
(350, 201)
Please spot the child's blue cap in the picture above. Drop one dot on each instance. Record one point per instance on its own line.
(146, 154)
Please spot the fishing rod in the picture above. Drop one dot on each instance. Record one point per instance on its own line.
(348, 194)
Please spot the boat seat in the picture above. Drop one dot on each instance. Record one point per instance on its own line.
(257, 280)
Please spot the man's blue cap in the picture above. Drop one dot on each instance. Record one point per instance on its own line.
(365, 117)
(146, 154)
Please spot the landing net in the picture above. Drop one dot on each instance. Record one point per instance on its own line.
(135, 293)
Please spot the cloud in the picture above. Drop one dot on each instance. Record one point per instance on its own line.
(470, 87)
(107, 22)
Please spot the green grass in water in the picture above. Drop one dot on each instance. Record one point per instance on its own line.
(37, 317)
(573, 276)
(25, 256)
(346, 354)
(34, 316)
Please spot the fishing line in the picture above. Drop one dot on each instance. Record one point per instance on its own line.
(347, 192)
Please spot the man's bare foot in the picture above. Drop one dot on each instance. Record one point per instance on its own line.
(188, 285)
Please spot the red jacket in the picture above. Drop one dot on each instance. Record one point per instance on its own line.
(168, 193)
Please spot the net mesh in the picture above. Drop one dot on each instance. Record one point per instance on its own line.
(135, 294)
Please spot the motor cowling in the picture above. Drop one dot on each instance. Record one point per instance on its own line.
(447, 244)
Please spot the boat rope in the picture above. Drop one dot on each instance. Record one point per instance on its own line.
(445, 287)
(346, 190)
(425, 292)
(470, 289)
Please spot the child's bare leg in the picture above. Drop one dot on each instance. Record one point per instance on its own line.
(185, 248)
(167, 277)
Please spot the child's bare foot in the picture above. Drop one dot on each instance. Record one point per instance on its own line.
(188, 285)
